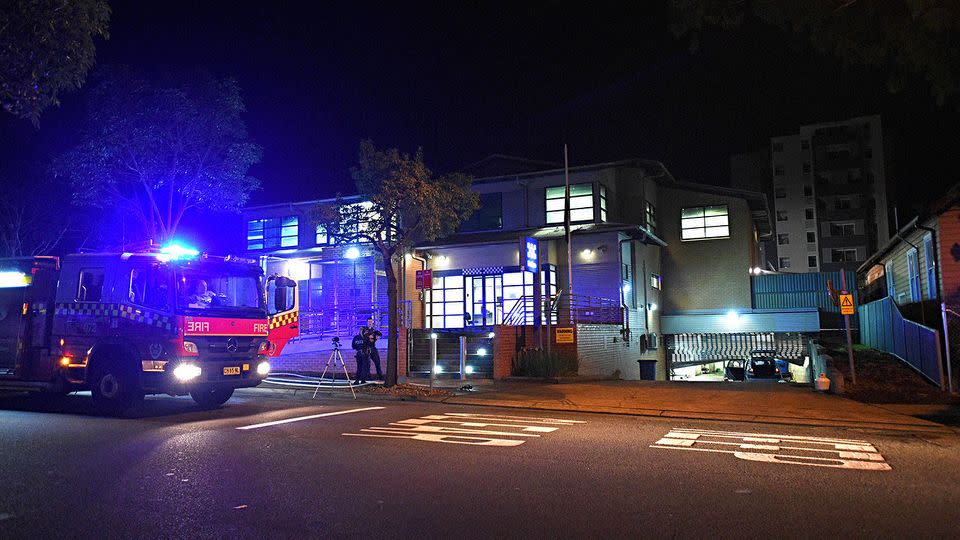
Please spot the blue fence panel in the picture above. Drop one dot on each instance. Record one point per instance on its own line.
(884, 328)
(807, 290)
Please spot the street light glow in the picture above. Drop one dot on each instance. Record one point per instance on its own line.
(352, 252)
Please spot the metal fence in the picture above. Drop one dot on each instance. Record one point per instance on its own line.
(478, 353)
(884, 328)
(807, 290)
(566, 309)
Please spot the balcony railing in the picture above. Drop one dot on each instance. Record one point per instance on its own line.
(565, 309)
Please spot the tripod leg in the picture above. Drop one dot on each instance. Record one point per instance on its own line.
(322, 375)
(344, 366)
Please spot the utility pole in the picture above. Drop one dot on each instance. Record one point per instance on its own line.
(566, 223)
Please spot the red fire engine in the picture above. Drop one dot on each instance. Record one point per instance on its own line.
(173, 321)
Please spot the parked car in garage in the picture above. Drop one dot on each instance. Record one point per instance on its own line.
(762, 368)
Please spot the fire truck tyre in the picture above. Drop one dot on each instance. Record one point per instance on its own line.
(211, 398)
(113, 390)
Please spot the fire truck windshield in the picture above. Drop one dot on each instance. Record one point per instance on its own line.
(212, 290)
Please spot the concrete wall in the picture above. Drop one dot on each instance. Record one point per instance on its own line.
(705, 274)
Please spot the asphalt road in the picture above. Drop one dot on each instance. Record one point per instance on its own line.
(177, 472)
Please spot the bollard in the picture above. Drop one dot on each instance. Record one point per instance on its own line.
(463, 358)
(433, 358)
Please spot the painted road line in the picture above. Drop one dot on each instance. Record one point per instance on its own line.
(779, 449)
(467, 428)
(309, 417)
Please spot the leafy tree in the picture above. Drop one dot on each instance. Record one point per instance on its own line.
(405, 204)
(157, 152)
(906, 38)
(46, 46)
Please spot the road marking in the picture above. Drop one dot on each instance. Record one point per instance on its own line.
(779, 449)
(310, 417)
(467, 428)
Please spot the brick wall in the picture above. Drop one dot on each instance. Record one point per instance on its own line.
(504, 350)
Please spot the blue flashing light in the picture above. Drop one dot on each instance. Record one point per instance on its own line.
(175, 252)
(352, 253)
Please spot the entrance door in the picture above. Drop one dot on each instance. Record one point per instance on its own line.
(484, 302)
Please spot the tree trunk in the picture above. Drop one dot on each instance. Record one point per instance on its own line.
(393, 321)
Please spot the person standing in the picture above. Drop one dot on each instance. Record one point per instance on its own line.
(363, 359)
(370, 337)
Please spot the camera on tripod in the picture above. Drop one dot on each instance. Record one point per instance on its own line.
(336, 342)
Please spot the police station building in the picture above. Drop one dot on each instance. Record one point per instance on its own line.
(659, 271)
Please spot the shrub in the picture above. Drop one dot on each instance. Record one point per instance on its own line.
(538, 363)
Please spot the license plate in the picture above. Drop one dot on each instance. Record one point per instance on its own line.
(233, 370)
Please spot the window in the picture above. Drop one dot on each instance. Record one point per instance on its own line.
(805, 144)
(214, 290)
(842, 229)
(784, 262)
(812, 261)
(783, 239)
(808, 213)
(322, 238)
(778, 146)
(581, 203)
(781, 215)
(888, 274)
(91, 285)
(703, 222)
(843, 204)
(778, 170)
(272, 233)
(913, 275)
(445, 302)
(656, 281)
(489, 216)
(148, 287)
(808, 191)
(650, 214)
(806, 167)
(837, 154)
(928, 256)
(603, 203)
(811, 237)
(780, 193)
(843, 255)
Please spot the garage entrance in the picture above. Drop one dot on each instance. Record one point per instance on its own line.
(719, 357)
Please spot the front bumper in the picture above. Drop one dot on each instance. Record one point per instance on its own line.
(213, 374)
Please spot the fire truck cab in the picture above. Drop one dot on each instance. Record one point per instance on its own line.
(124, 325)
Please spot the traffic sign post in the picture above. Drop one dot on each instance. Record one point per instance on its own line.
(846, 311)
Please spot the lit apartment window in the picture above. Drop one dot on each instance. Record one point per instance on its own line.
(272, 233)
(603, 203)
(812, 261)
(811, 237)
(650, 214)
(843, 255)
(806, 167)
(778, 170)
(781, 215)
(784, 262)
(804, 144)
(808, 213)
(322, 238)
(656, 281)
(780, 193)
(704, 222)
(783, 239)
(808, 191)
(581, 203)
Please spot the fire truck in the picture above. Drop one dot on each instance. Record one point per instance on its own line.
(169, 321)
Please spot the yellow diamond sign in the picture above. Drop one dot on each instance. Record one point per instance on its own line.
(846, 304)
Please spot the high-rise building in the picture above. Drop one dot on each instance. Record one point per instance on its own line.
(829, 195)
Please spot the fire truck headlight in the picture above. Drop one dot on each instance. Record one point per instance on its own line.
(190, 347)
(263, 368)
(186, 372)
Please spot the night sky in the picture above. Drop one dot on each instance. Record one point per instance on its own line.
(467, 81)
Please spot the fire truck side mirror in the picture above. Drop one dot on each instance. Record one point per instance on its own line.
(281, 294)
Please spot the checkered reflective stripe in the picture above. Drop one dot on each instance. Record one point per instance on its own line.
(284, 319)
(123, 311)
(483, 270)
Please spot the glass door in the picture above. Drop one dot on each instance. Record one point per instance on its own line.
(484, 300)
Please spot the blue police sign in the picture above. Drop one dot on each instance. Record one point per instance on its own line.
(530, 254)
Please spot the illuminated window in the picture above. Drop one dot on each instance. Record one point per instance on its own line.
(656, 281)
(650, 215)
(322, 238)
(603, 203)
(581, 203)
(445, 302)
(704, 222)
(272, 233)
(91, 285)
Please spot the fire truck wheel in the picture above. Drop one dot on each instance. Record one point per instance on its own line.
(113, 390)
(211, 398)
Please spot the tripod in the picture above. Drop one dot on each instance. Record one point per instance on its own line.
(335, 356)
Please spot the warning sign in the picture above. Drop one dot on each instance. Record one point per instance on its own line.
(846, 304)
(565, 335)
